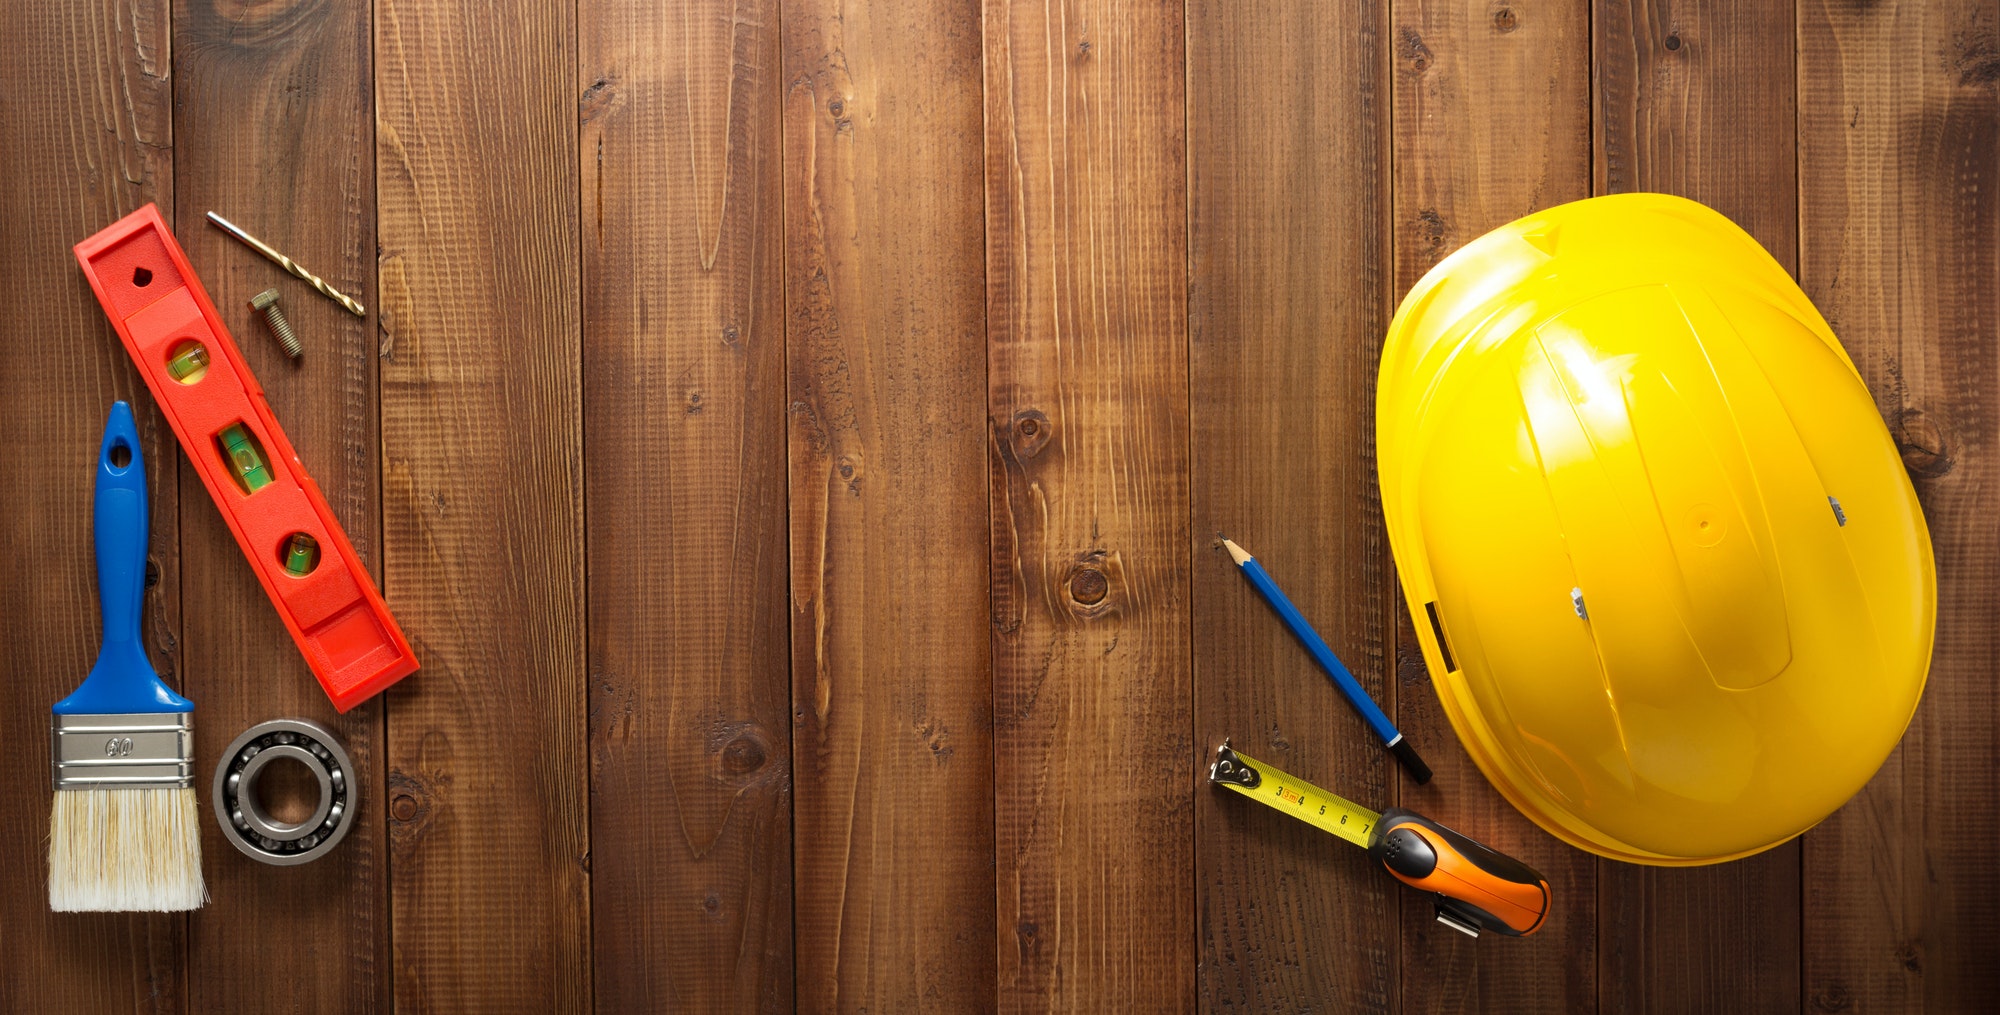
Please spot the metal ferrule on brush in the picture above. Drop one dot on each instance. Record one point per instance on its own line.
(141, 750)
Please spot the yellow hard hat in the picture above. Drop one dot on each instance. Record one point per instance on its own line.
(1673, 585)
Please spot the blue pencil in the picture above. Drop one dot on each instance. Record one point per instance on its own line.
(1335, 671)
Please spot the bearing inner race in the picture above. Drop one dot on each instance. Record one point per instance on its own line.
(253, 808)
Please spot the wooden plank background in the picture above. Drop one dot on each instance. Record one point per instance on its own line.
(795, 434)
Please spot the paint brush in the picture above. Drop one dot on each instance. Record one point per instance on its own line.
(1336, 671)
(124, 834)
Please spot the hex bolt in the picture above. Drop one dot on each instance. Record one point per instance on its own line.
(267, 302)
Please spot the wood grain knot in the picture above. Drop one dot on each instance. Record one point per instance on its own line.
(1026, 938)
(1504, 20)
(1087, 586)
(1911, 956)
(600, 98)
(1430, 231)
(1926, 452)
(936, 738)
(1031, 432)
(1834, 997)
(1978, 60)
(744, 755)
(410, 808)
(1673, 43)
(740, 754)
(1410, 49)
(1094, 585)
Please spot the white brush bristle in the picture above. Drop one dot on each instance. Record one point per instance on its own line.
(125, 850)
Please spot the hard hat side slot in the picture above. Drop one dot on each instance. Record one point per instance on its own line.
(1437, 631)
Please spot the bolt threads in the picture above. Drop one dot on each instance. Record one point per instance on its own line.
(283, 329)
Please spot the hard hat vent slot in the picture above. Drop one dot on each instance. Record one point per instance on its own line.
(1437, 631)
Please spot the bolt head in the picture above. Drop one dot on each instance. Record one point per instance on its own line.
(264, 299)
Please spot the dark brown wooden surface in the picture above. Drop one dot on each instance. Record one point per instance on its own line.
(794, 435)
(1899, 215)
(892, 733)
(482, 504)
(1087, 398)
(684, 380)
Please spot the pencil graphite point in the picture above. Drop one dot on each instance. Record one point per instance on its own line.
(1236, 553)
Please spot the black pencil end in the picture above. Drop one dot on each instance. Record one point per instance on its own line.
(1411, 763)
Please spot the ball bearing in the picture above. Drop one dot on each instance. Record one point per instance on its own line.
(254, 831)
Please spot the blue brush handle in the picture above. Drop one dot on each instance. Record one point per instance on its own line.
(123, 679)
(1356, 695)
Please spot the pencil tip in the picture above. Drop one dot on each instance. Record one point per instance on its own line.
(1236, 553)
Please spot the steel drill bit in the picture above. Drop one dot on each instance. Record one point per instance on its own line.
(289, 265)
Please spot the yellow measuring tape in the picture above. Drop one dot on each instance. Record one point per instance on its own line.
(1476, 888)
(1294, 796)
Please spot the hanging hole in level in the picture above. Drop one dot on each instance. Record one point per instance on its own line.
(142, 277)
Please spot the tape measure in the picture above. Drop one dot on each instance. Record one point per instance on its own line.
(1475, 888)
(1296, 797)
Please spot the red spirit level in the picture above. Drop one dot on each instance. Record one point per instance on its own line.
(218, 412)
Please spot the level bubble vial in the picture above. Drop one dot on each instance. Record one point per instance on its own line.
(189, 362)
(244, 457)
(300, 554)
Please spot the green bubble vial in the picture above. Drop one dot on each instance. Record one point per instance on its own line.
(245, 458)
